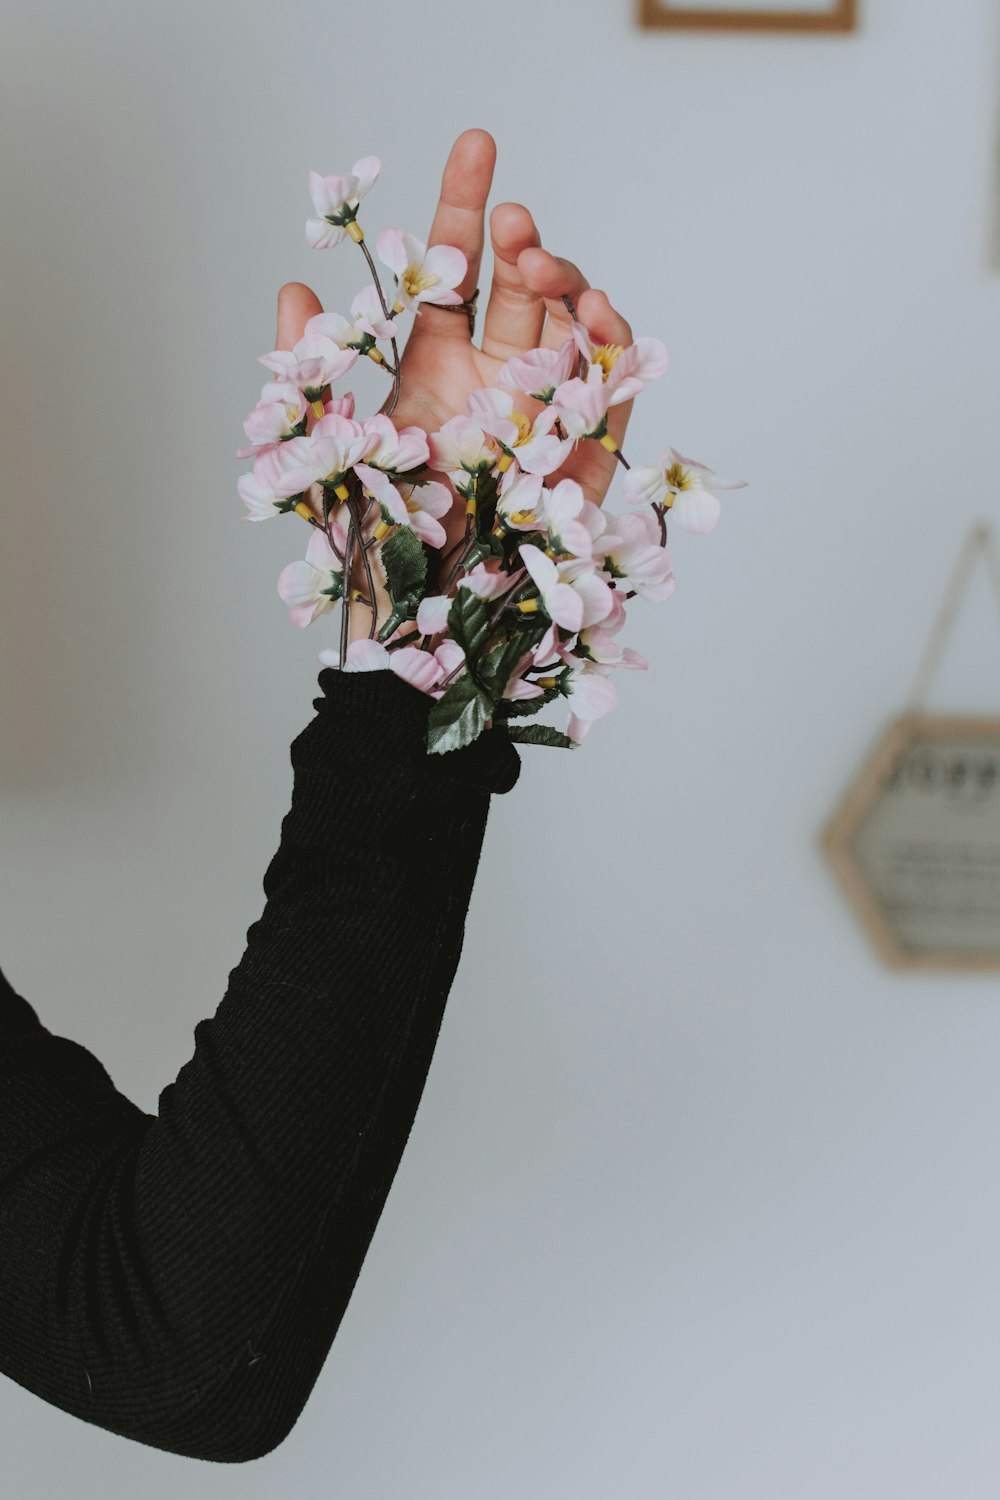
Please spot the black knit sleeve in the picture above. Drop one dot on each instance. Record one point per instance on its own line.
(179, 1278)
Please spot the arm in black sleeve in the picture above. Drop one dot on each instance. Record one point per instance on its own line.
(179, 1279)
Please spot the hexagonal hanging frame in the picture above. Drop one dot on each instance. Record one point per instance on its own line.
(915, 843)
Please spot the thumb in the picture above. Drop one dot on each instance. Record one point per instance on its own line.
(297, 303)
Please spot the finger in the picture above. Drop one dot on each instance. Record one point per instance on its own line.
(515, 313)
(459, 220)
(552, 278)
(591, 465)
(297, 303)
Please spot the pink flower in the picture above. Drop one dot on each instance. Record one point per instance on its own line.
(366, 323)
(335, 445)
(625, 370)
(460, 449)
(591, 695)
(367, 314)
(274, 480)
(631, 550)
(312, 587)
(338, 406)
(572, 594)
(519, 502)
(422, 275)
(598, 645)
(687, 488)
(336, 200)
(424, 670)
(279, 410)
(582, 405)
(538, 372)
(544, 451)
(432, 615)
(313, 363)
(485, 581)
(414, 505)
(395, 451)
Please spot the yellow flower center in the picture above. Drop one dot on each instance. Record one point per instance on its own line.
(524, 425)
(605, 356)
(415, 280)
(521, 517)
(679, 478)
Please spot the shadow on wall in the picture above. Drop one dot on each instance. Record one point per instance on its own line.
(92, 216)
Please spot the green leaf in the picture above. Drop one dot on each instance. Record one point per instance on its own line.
(458, 717)
(499, 662)
(468, 619)
(486, 506)
(405, 563)
(521, 708)
(540, 734)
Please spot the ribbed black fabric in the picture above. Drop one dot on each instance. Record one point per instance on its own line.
(179, 1279)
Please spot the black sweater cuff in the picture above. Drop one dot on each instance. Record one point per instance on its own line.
(381, 719)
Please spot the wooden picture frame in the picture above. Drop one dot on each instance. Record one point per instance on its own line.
(840, 15)
(839, 840)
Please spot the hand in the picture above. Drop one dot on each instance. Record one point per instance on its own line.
(440, 365)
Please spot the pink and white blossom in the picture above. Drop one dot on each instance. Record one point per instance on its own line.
(591, 695)
(582, 405)
(422, 274)
(600, 646)
(414, 505)
(631, 551)
(333, 447)
(572, 594)
(685, 486)
(277, 413)
(273, 480)
(543, 451)
(432, 614)
(460, 448)
(424, 670)
(314, 362)
(626, 370)
(313, 586)
(486, 582)
(366, 323)
(336, 200)
(368, 315)
(338, 406)
(538, 372)
(396, 450)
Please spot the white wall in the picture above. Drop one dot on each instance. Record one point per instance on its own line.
(702, 1204)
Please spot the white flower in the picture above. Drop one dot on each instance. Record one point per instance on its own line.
(539, 371)
(625, 370)
(336, 200)
(314, 362)
(460, 449)
(632, 551)
(572, 594)
(687, 488)
(414, 505)
(312, 587)
(274, 418)
(422, 275)
(335, 445)
(265, 490)
(397, 449)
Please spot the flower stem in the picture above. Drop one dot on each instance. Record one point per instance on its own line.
(396, 377)
(345, 610)
(352, 506)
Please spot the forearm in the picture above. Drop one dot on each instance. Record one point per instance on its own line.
(234, 1224)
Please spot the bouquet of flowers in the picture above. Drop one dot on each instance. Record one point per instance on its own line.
(526, 607)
